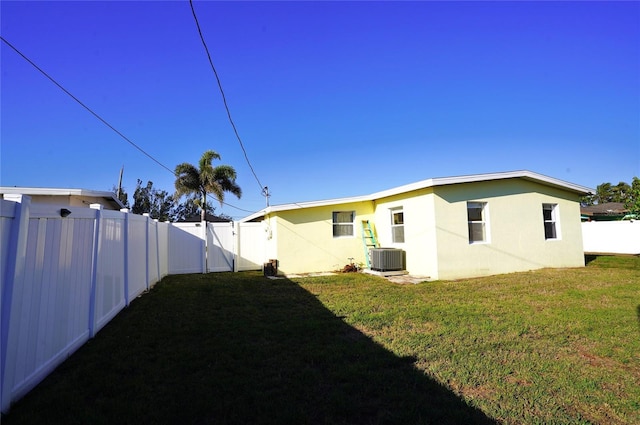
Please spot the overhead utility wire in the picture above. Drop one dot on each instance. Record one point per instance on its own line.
(83, 105)
(264, 189)
(98, 116)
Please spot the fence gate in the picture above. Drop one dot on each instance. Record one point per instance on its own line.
(252, 246)
(220, 247)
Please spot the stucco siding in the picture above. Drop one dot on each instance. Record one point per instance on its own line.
(305, 241)
(436, 227)
(515, 237)
(419, 229)
(271, 235)
(74, 201)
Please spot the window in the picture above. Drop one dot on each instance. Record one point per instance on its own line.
(397, 225)
(476, 216)
(343, 223)
(549, 212)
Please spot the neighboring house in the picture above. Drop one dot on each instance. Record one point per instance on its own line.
(607, 211)
(66, 197)
(448, 228)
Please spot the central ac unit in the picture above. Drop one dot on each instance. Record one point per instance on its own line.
(387, 259)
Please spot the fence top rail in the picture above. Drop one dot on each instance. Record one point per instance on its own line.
(52, 211)
(612, 223)
(60, 212)
(187, 225)
(7, 208)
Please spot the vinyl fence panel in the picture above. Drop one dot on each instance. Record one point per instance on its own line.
(137, 255)
(49, 302)
(220, 247)
(186, 249)
(65, 276)
(110, 269)
(611, 237)
(15, 222)
(251, 246)
(7, 211)
(153, 270)
(163, 249)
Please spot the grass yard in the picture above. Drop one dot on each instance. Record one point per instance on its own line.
(548, 346)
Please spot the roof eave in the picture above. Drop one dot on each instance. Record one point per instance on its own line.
(49, 191)
(303, 205)
(423, 184)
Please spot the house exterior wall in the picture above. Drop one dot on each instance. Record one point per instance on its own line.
(516, 238)
(74, 201)
(420, 244)
(271, 234)
(304, 238)
(436, 232)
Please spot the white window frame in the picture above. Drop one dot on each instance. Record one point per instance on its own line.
(393, 212)
(484, 221)
(552, 220)
(343, 224)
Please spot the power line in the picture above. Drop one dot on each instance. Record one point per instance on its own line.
(224, 99)
(83, 105)
(100, 118)
(229, 205)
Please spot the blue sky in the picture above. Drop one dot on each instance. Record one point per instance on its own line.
(331, 99)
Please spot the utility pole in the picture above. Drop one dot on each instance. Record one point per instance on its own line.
(120, 183)
(265, 192)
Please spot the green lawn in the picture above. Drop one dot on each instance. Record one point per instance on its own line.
(549, 346)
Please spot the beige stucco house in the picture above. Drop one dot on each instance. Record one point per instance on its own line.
(447, 228)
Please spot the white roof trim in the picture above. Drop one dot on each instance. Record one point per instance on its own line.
(49, 191)
(527, 175)
(439, 181)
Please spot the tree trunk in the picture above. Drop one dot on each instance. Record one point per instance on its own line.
(203, 208)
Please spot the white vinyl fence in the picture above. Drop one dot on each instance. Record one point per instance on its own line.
(611, 237)
(252, 246)
(64, 278)
(220, 247)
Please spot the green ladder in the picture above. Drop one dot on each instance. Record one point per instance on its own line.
(368, 240)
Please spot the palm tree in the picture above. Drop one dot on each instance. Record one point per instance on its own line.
(604, 193)
(206, 179)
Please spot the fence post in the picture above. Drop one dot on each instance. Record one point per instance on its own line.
(236, 245)
(157, 226)
(205, 257)
(164, 255)
(94, 269)
(146, 247)
(16, 255)
(125, 211)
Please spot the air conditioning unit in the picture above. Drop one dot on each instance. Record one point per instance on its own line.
(387, 259)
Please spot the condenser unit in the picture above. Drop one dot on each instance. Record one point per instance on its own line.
(387, 259)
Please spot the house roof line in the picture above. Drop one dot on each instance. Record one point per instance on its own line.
(432, 182)
(51, 191)
(442, 181)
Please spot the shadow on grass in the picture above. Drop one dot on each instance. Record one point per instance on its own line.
(616, 261)
(589, 258)
(237, 349)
